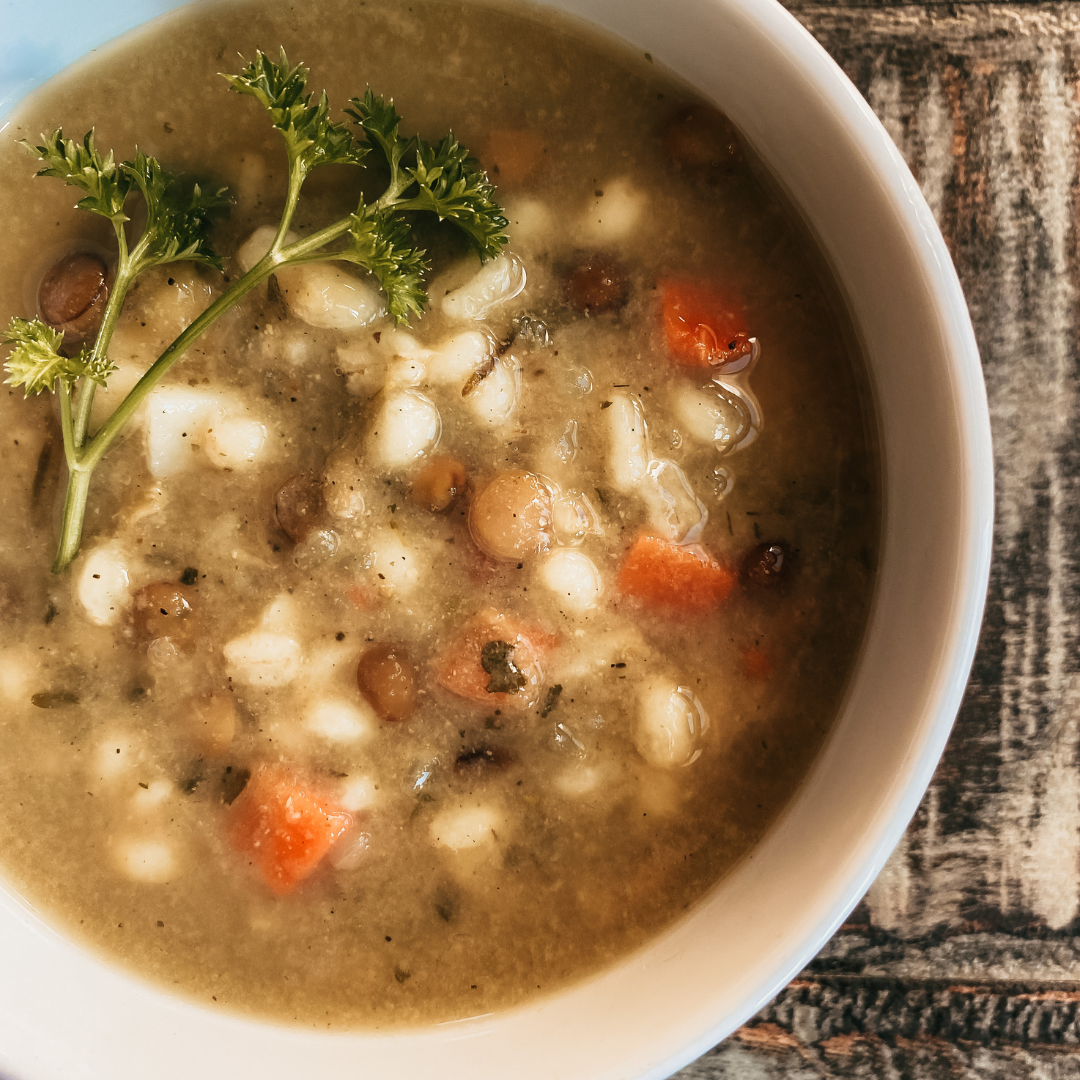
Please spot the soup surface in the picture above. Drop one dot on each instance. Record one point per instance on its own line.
(406, 673)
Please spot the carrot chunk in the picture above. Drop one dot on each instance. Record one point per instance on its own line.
(496, 661)
(682, 579)
(704, 326)
(285, 827)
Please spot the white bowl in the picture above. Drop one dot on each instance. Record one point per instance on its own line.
(64, 1014)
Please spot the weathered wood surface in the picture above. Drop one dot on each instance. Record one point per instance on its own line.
(964, 958)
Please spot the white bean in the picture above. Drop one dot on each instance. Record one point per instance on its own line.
(17, 671)
(281, 615)
(713, 415)
(155, 794)
(582, 780)
(628, 445)
(258, 244)
(351, 852)
(339, 721)
(573, 518)
(262, 658)
(109, 396)
(115, 756)
(343, 485)
(465, 828)
(675, 512)
(614, 215)
(393, 567)
(329, 297)
(149, 861)
(671, 721)
(573, 577)
(407, 426)
(104, 583)
(454, 360)
(235, 442)
(395, 359)
(356, 793)
(498, 282)
(178, 419)
(497, 394)
(530, 222)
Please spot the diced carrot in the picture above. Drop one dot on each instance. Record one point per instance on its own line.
(460, 670)
(755, 662)
(704, 325)
(285, 826)
(687, 580)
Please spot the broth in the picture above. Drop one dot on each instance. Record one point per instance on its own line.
(495, 844)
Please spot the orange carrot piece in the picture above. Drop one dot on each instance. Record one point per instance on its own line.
(704, 326)
(459, 670)
(285, 826)
(685, 580)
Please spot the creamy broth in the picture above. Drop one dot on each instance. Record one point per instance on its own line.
(490, 850)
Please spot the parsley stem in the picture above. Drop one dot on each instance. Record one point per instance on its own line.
(266, 266)
(87, 388)
(78, 488)
(70, 448)
(297, 175)
(83, 460)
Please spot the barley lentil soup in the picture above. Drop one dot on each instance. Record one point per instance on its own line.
(405, 673)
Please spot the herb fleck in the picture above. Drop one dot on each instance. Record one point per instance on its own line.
(551, 700)
(233, 781)
(51, 699)
(496, 658)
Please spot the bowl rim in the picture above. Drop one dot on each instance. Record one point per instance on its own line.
(28, 934)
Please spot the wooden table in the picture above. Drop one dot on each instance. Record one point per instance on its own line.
(963, 960)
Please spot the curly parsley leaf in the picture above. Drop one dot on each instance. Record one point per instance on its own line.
(35, 362)
(380, 242)
(443, 179)
(178, 214)
(80, 165)
(453, 186)
(312, 138)
(381, 125)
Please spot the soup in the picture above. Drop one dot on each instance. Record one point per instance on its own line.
(408, 672)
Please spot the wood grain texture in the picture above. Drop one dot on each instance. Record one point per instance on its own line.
(963, 960)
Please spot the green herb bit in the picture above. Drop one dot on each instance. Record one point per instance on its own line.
(441, 179)
(36, 364)
(497, 659)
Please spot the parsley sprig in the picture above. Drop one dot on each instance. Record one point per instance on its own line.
(438, 178)
(37, 364)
